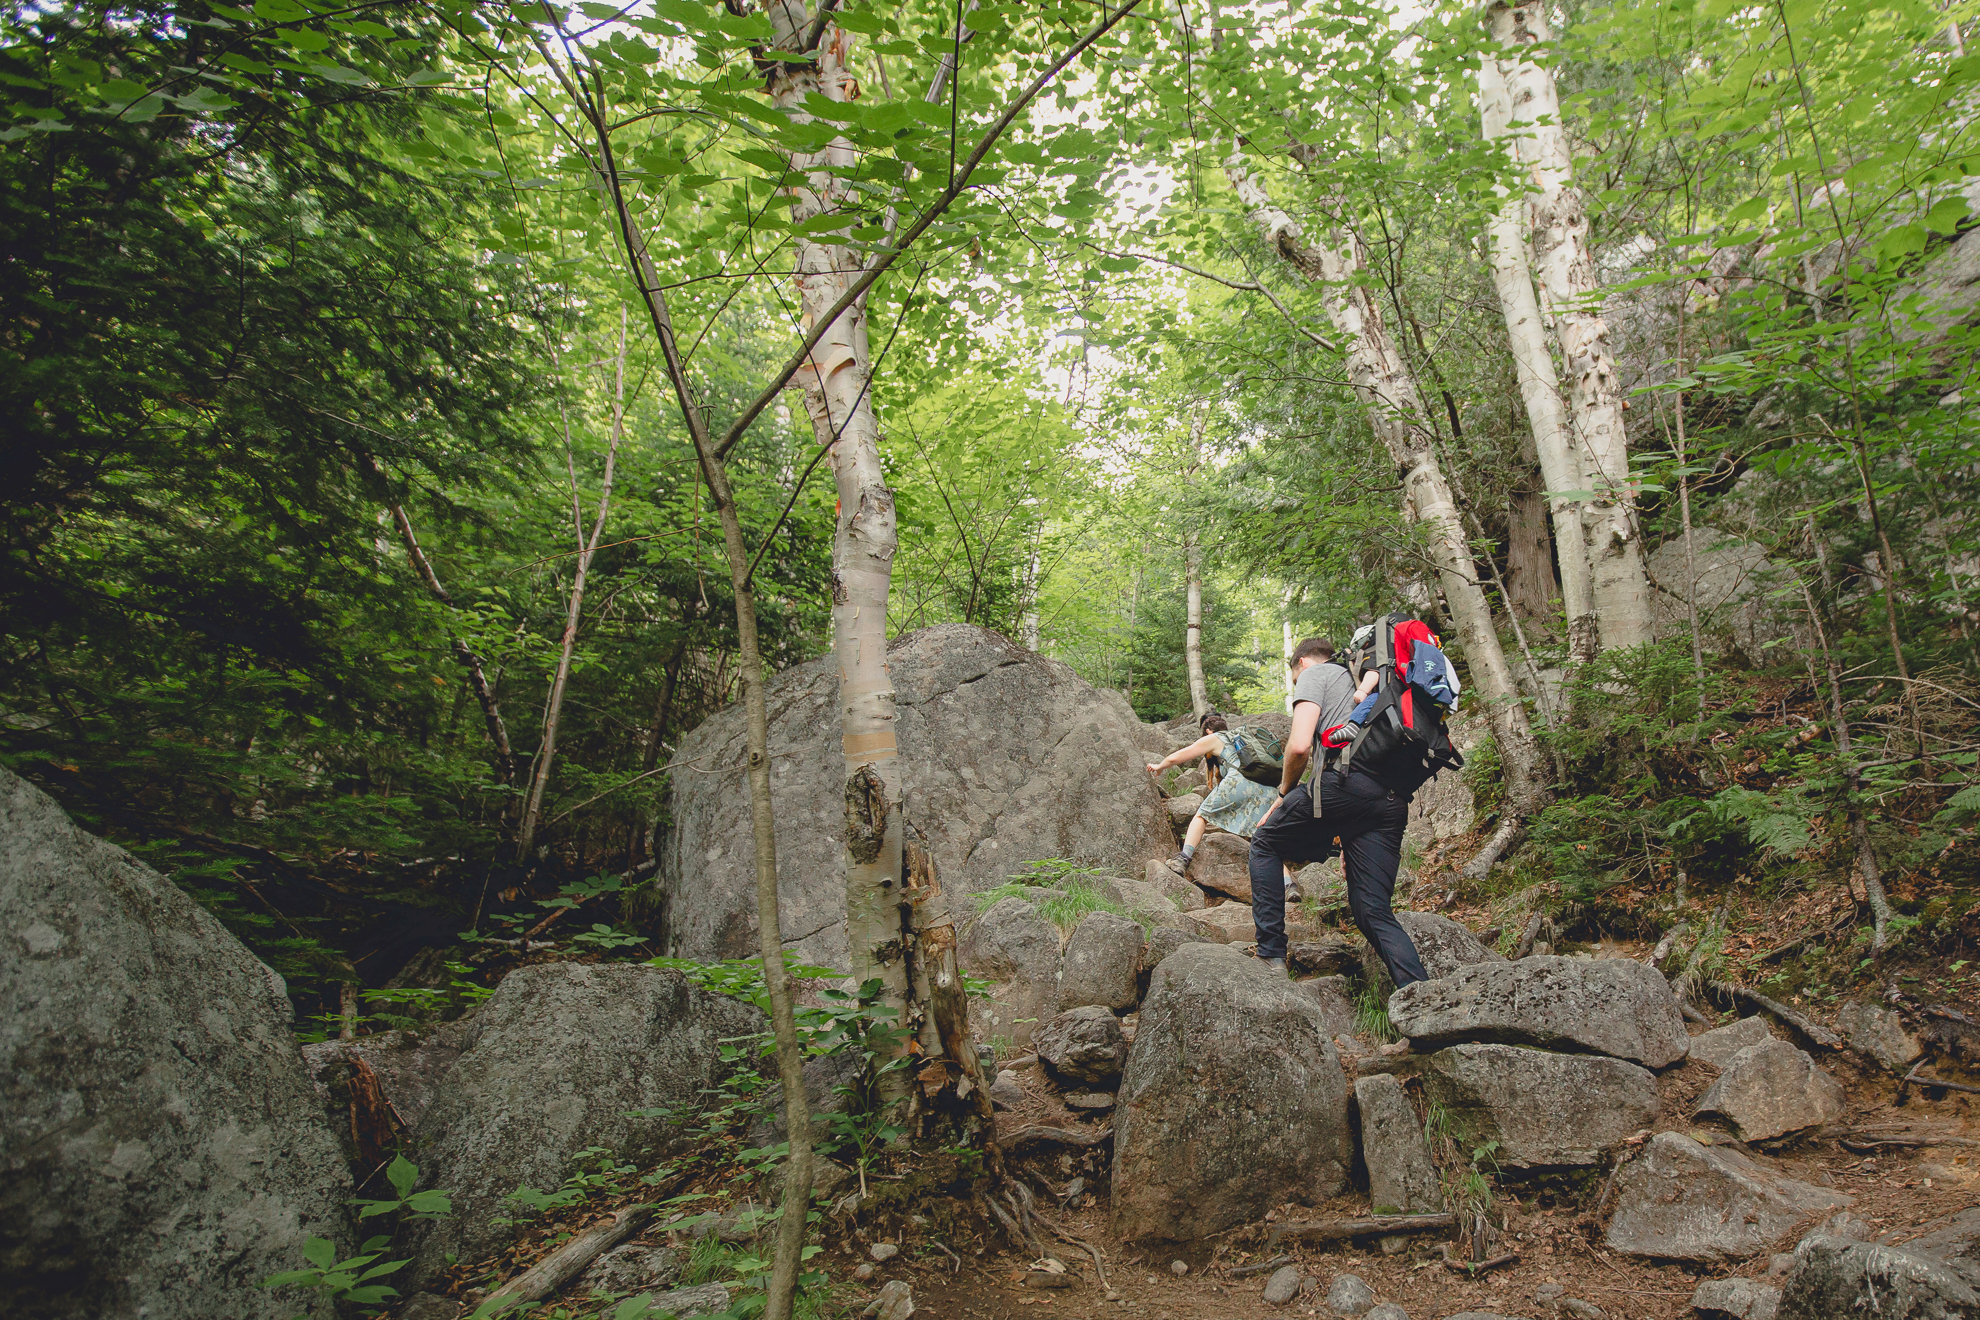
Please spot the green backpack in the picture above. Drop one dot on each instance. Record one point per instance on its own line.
(1261, 754)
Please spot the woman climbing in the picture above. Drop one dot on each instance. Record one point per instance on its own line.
(1231, 802)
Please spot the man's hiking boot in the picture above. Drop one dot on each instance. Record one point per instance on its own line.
(1276, 964)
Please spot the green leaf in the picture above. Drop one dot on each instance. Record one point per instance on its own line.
(1944, 217)
(320, 1252)
(403, 1174)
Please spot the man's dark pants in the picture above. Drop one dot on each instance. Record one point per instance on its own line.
(1369, 821)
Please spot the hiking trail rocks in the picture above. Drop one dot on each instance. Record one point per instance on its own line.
(1444, 945)
(1101, 962)
(1612, 1006)
(1227, 923)
(1018, 951)
(1223, 865)
(1233, 1100)
(1835, 1276)
(555, 1062)
(1012, 757)
(1736, 1299)
(1543, 1109)
(1771, 1089)
(1401, 1177)
(1084, 1044)
(1878, 1033)
(161, 1148)
(1680, 1200)
(1718, 1046)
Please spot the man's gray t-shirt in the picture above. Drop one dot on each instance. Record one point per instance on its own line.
(1330, 687)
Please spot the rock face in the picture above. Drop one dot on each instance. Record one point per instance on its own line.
(1018, 951)
(1163, 941)
(1543, 1109)
(1443, 945)
(1233, 1100)
(633, 1268)
(1223, 865)
(1834, 1276)
(1329, 955)
(1101, 963)
(1337, 1013)
(555, 1062)
(1009, 757)
(1182, 895)
(1738, 590)
(1771, 1089)
(1683, 1201)
(1612, 1006)
(1879, 1033)
(161, 1148)
(1718, 1045)
(1084, 1044)
(1401, 1178)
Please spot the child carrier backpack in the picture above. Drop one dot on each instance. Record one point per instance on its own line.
(1261, 754)
(1403, 743)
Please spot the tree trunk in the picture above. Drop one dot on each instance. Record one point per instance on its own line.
(1570, 298)
(1539, 387)
(546, 752)
(1395, 412)
(1531, 588)
(1867, 868)
(1285, 654)
(1199, 691)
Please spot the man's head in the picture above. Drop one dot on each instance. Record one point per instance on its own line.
(1212, 723)
(1312, 651)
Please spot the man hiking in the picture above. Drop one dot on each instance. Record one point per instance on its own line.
(1365, 817)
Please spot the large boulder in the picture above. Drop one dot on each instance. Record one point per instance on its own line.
(1543, 1109)
(1718, 1046)
(557, 1060)
(1233, 1100)
(1401, 1177)
(161, 1148)
(1613, 1006)
(1017, 951)
(1834, 1276)
(1102, 963)
(1736, 1299)
(1680, 1200)
(1227, 923)
(1083, 1045)
(1007, 756)
(1739, 588)
(1879, 1033)
(1222, 865)
(1771, 1089)
(1444, 946)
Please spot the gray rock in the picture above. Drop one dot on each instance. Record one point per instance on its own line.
(1182, 810)
(1683, 1201)
(161, 1148)
(1336, 1004)
(1102, 963)
(1088, 1100)
(1184, 894)
(1387, 1311)
(1580, 1310)
(1329, 955)
(1012, 757)
(1324, 885)
(430, 1306)
(895, 1302)
(555, 1062)
(1283, 1286)
(883, 1251)
(1736, 1299)
(1233, 1100)
(1350, 1296)
(1443, 945)
(1163, 941)
(1879, 1033)
(1223, 865)
(1401, 1177)
(1718, 1045)
(1837, 1277)
(701, 1299)
(1954, 1240)
(1227, 923)
(1738, 594)
(1480, 1315)
(1543, 1109)
(1017, 951)
(1772, 1089)
(1083, 1044)
(1613, 1006)
(1006, 1092)
(634, 1268)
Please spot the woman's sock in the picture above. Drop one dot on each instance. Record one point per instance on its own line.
(1189, 851)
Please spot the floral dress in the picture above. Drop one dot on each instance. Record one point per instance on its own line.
(1236, 804)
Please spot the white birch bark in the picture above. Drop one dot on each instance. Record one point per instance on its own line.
(1539, 386)
(1395, 410)
(1570, 297)
(1199, 691)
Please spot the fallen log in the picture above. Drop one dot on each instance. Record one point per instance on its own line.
(1039, 1135)
(1335, 1230)
(1821, 1035)
(567, 1262)
(1262, 1267)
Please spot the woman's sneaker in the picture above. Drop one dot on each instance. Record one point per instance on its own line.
(1179, 863)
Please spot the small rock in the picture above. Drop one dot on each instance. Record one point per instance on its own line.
(895, 1302)
(883, 1251)
(1112, 1296)
(1547, 1292)
(1879, 1033)
(431, 1306)
(1178, 1268)
(1090, 1100)
(1387, 1311)
(1101, 963)
(1351, 1296)
(864, 1272)
(1283, 1286)
(1006, 1092)
(1083, 1044)
(1771, 1089)
(1836, 1277)
(1718, 1045)
(1735, 1299)
(1781, 1265)
(1581, 1310)
(702, 1299)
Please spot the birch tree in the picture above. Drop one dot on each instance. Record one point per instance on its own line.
(1539, 385)
(1336, 264)
(1570, 300)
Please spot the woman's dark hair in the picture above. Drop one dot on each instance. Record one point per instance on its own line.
(1212, 722)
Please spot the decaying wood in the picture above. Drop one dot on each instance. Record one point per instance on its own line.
(1917, 1077)
(1479, 1267)
(1262, 1267)
(1038, 1135)
(568, 1261)
(1821, 1035)
(1335, 1230)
